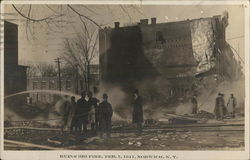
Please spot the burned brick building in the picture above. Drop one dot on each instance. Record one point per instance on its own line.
(15, 79)
(181, 54)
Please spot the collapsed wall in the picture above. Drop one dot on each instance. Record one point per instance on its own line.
(168, 61)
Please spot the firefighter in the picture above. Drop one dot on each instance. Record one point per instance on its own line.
(231, 105)
(106, 112)
(138, 111)
(219, 107)
(82, 114)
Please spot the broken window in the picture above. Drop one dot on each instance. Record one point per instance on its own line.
(160, 38)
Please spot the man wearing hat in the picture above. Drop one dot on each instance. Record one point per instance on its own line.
(219, 106)
(82, 114)
(194, 104)
(106, 112)
(138, 111)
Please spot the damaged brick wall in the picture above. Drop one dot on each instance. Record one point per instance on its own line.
(145, 53)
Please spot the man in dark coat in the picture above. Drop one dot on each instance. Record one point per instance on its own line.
(138, 111)
(82, 110)
(105, 112)
(219, 107)
(194, 105)
(94, 117)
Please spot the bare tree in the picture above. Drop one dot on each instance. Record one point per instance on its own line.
(80, 51)
(46, 70)
(58, 12)
(31, 71)
(41, 69)
(31, 68)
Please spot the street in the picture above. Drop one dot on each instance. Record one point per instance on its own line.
(213, 135)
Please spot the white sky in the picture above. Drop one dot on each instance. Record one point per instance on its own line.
(46, 44)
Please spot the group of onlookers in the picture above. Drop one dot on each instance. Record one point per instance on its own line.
(88, 110)
(221, 109)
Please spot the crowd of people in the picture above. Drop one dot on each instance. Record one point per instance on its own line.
(88, 110)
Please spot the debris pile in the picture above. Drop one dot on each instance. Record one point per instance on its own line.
(204, 114)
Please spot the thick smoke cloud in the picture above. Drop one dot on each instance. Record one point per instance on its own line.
(206, 97)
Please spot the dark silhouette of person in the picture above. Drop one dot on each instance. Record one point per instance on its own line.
(194, 104)
(219, 107)
(138, 111)
(82, 110)
(106, 112)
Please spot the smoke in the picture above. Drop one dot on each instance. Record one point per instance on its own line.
(184, 108)
(155, 94)
(154, 90)
(206, 101)
(206, 97)
(118, 99)
(49, 114)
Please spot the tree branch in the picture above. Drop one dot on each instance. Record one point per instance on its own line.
(91, 20)
(35, 20)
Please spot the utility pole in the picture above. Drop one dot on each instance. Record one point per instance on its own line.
(76, 78)
(57, 60)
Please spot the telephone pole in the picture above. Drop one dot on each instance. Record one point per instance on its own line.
(57, 60)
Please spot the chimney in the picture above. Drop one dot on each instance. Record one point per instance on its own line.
(153, 20)
(144, 21)
(117, 25)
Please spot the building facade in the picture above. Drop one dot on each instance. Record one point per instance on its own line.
(15, 79)
(70, 84)
(182, 54)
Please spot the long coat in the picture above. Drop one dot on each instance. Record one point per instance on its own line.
(82, 110)
(138, 110)
(231, 104)
(219, 107)
(105, 115)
